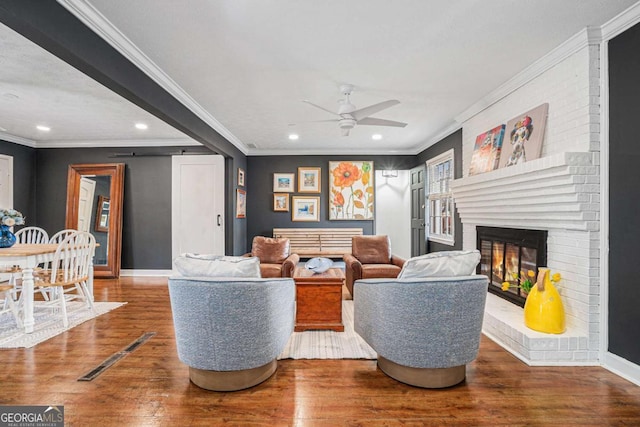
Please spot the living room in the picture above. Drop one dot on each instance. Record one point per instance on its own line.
(580, 141)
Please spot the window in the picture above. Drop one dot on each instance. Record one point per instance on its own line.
(440, 206)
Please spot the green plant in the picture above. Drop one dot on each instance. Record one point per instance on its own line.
(526, 282)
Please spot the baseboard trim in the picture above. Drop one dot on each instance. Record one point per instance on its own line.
(146, 273)
(622, 367)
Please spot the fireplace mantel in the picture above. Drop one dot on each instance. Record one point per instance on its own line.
(558, 191)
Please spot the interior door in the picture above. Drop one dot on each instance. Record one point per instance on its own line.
(197, 205)
(6, 181)
(418, 237)
(85, 201)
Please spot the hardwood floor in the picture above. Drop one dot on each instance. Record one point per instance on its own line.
(150, 386)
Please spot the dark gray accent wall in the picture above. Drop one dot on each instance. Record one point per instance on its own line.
(52, 27)
(453, 141)
(261, 218)
(146, 224)
(624, 200)
(24, 179)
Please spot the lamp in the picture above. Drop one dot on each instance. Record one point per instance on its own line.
(390, 173)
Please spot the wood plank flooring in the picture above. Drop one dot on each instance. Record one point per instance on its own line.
(150, 386)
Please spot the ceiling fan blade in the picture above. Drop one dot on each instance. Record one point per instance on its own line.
(380, 122)
(322, 108)
(315, 121)
(345, 132)
(372, 109)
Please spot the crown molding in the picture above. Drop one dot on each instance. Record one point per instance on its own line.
(453, 127)
(128, 143)
(330, 152)
(18, 139)
(621, 23)
(582, 39)
(97, 22)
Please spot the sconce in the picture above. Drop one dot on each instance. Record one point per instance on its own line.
(390, 173)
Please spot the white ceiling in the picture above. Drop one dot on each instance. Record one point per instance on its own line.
(244, 66)
(37, 88)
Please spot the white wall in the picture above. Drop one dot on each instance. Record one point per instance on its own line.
(393, 211)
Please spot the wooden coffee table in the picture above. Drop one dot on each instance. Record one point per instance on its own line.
(318, 299)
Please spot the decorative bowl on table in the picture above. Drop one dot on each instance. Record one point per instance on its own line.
(318, 265)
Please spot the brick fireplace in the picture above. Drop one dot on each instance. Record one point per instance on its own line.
(551, 195)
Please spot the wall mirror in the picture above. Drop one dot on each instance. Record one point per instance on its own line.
(94, 204)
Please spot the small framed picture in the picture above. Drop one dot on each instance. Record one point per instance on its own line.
(308, 180)
(283, 182)
(281, 202)
(241, 177)
(241, 203)
(305, 208)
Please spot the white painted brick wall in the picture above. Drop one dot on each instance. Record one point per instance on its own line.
(572, 89)
(572, 102)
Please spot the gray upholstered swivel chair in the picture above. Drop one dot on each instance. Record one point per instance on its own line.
(425, 330)
(229, 331)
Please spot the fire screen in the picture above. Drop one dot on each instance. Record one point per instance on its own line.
(508, 253)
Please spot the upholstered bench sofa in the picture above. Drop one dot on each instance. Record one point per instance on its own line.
(230, 324)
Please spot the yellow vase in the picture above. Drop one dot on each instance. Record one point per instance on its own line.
(543, 310)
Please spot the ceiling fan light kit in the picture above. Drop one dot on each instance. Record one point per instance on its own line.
(349, 116)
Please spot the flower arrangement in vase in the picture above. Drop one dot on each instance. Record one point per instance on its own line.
(543, 309)
(522, 281)
(9, 218)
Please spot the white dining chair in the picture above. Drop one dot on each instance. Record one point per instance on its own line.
(33, 235)
(68, 273)
(26, 235)
(8, 303)
(61, 235)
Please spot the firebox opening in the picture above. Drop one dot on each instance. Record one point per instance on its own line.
(507, 253)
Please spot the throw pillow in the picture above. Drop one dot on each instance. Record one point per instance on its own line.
(441, 264)
(194, 265)
(270, 250)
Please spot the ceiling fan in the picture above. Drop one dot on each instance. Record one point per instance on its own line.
(349, 116)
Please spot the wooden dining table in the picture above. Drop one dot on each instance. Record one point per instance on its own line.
(28, 257)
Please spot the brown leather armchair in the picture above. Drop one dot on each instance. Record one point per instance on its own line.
(370, 258)
(274, 256)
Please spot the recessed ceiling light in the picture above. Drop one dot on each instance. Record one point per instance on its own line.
(141, 126)
(43, 128)
(294, 136)
(376, 137)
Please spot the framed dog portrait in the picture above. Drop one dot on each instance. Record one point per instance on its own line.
(523, 136)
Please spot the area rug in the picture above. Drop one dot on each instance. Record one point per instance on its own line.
(329, 344)
(49, 324)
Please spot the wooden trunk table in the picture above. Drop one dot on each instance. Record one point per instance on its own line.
(318, 299)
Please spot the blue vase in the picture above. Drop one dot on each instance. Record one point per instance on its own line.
(7, 238)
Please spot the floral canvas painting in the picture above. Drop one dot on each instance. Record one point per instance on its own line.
(486, 153)
(351, 190)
